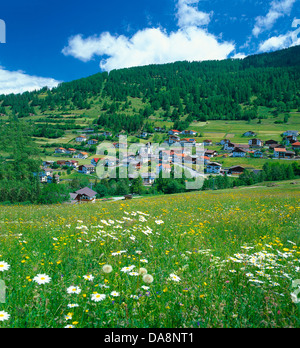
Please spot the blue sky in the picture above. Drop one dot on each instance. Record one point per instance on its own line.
(49, 42)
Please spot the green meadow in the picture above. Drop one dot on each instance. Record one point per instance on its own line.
(197, 260)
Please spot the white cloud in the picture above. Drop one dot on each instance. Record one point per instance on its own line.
(189, 15)
(239, 56)
(282, 41)
(277, 9)
(19, 82)
(154, 45)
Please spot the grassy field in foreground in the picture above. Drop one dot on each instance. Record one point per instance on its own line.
(213, 259)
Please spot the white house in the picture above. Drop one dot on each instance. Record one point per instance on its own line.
(71, 151)
(283, 153)
(189, 132)
(85, 194)
(174, 132)
(173, 139)
(81, 139)
(291, 132)
(73, 164)
(82, 155)
(210, 153)
(290, 139)
(238, 152)
(249, 134)
(296, 145)
(213, 168)
(60, 150)
(228, 146)
(86, 169)
(47, 171)
(224, 141)
(279, 152)
(43, 177)
(188, 142)
(255, 143)
(93, 142)
(207, 142)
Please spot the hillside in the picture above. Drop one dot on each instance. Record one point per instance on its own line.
(210, 101)
(182, 92)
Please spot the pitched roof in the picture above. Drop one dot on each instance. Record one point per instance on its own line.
(277, 149)
(235, 167)
(238, 149)
(242, 146)
(87, 192)
(214, 164)
(188, 139)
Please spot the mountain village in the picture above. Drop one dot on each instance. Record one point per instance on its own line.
(179, 149)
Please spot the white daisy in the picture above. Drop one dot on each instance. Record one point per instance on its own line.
(4, 316)
(115, 294)
(42, 279)
(175, 277)
(133, 273)
(159, 222)
(74, 290)
(4, 266)
(127, 269)
(118, 252)
(89, 277)
(98, 297)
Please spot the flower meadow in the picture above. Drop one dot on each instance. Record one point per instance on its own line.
(208, 259)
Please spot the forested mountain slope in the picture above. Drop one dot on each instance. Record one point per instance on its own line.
(231, 89)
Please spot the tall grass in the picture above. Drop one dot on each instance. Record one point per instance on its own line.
(234, 255)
